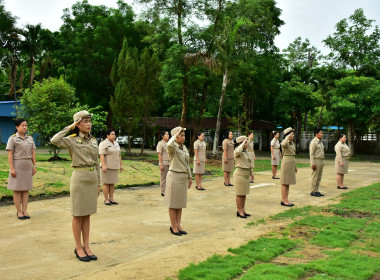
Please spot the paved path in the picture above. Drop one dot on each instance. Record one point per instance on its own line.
(132, 240)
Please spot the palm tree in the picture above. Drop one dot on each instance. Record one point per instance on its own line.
(31, 45)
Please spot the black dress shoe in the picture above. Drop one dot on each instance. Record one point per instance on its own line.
(240, 216)
(107, 203)
(162, 194)
(247, 215)
(287, 205)
(275, 177)
(83, 259)
(252, 181)
(20, 218)
(199, 189)
(230, 185)
(91, 257)
(114, 202)
(27, 217)
(320, 194)
(315, 194)
(226, 184)
(175, 233)
(183, 232)
(342, 188)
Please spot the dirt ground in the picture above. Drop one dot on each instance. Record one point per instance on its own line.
(132, 240)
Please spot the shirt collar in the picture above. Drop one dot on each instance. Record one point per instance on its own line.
(18, 135)
(83, 136)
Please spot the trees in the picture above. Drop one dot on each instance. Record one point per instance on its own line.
(354, 102)
(354, 46)
(50, 104)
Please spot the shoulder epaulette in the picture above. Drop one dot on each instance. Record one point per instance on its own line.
(73, 135)
(13, 135)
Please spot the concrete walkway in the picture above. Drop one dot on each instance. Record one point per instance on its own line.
(132, 240)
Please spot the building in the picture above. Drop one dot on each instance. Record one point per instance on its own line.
(7, 116)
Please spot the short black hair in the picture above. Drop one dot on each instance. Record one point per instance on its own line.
(317, 130)
(226, 134)
(199, 133)
(340, 136)
(110, 130)
(163, 133)
(250, 132)
(274, 133)
(18, 122)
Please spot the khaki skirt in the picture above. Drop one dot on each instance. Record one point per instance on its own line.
(277, 155)
(242, 178)
(199, 169)
(83, 192)
(110, 177)
(341, 169)
(229, 166)
(288, 171)
(24, 175)
(176, 190)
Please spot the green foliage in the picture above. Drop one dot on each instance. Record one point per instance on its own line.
(295, 212)
(269, 271)
(49, 105)
(355, 44)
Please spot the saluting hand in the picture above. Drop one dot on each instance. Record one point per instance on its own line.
(74, 124)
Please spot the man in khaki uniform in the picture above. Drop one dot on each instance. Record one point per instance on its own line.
(317, 154)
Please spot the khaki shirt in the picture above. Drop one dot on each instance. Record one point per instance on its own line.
(200, 146)
(161, 148)
(179, 157)
(242, 158)
(21, 147)
(288, 147)
(228, 145)
(251, 148)
(316, 150)
(111, 152)
(275, 143)
(83, 151)
(342, 150)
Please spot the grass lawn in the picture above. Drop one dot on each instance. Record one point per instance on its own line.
(336, 242)
(53, 178)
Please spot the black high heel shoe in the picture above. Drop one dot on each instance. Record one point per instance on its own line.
(240, 216)
(175, 233)
(91, 257)
(183, 232)
(20, 218)
(247, 215)
(83, 259)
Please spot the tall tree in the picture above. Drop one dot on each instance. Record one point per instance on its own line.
(355, 44)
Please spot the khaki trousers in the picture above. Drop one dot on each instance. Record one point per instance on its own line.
(316, 175)
(164, 173)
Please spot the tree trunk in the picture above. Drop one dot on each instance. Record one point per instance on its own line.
(305, 123)
(143, 136)
(350, 136)
(129, 141)
(298, 130)
(32, 73)
(184, 100)
(320, 116)
(219, 119)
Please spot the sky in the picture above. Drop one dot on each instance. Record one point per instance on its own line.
(312, 19)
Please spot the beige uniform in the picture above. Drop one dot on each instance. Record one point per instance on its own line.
(86, 175)
(178, 176)
(200, 146)
(22, 162)
(317, 154)
(228, 146)
(243, 171)
(111, 152)
(288, 164)
(342, 156)
(276, 152)
(251, 151)
(161, 149)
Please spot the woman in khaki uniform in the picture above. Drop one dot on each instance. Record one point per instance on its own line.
(288, 166)
(242, 175)
(228, 157)
(251, 151)
(163, 160)
(341, 160)
(85, 180)
(275, 152)
(199, 160)
(22, 167)
(110, 158)
(178, 179)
